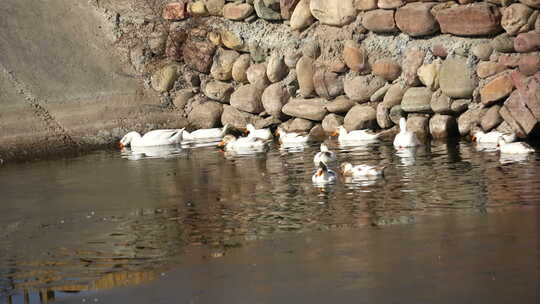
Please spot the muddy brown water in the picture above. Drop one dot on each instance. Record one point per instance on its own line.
(80, 226)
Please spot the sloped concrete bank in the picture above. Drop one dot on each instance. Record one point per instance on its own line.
(83, 74)
(64, 85)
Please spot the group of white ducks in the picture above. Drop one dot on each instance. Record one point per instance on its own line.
(258, 139)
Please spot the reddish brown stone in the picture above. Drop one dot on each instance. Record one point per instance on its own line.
(327, 84)
(175, 11)
(487, 68)
(287, 8)
(380, 21)
(443, 126)
(470, 20)
(439, 50)
(387, 69)
(496, 89)
(355, 57)
(529, 89)
(491, 118)
(390, 4)
(510, 120)
(527, 42)
(529, 64)
(199, 55)
(173, 48)
(237, 11)
(531, 3)
(521, 113)
(415, 19)
(510, 61)
(414, 58)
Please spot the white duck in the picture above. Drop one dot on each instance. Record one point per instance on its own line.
(323, 175)
(405, 139)
(492, 137)
(325, 155)
(205, 133)
(362, 171)
(292, 138)
(514, 148)
(355, 135)
(153, 138)
(231, 143)
(264, 134)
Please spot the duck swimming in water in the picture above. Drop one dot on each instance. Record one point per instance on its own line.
(405, 139)
(231, 143)
(325, 155)
(264, 134)
(361, 171)
(292, 138)
(354, 136)
(214, 133)
(323, 175)
(514, 148)
(161, 137)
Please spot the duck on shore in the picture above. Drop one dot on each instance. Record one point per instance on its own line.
(214, 133)
(405, 139)
(160, 137)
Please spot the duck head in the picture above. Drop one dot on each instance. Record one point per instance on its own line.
(324, 148)
(346, 168)
(226, 140)
(402, 124)
(126, 140)
(339, 130)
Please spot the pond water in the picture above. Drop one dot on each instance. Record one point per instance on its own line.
(115, 218)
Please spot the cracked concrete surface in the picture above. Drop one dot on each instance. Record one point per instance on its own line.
(63, 86)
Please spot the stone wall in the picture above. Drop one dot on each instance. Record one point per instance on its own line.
(450, 67)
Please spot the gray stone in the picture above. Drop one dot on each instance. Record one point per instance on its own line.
(394, 95)
(256, 75)
(379, 94)
(217, 90)
(419, 124)
(238, 119)
(482, 51)
(276, 69)
(273, 99)
(456, 78)
(305, 71)
(223, 64)
(396, 113)
(383, 116)
(248, 98)
(503, 43)
(331, 122)
(341, 104)
(443, 126)
(361, 117)
(164, 78)
(312, 109)
(460, 105)
(205, 115)
(182, 97)
(440, 103)
(361, 88)
(417, 100)
(297, 125)
(265, 12)
(491, 118)
(327, 84)
(468, 120)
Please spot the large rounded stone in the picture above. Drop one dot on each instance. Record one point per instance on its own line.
(355, 57)
(273, 99)
(468, 120)
(331, 122)
(491, 118)
(487, 68)
(276, 69)
(440, 103)
(256, 75)
(340, 105)
(414, 58)
(470, 20)
(163, 79)
(361, 117)
(297, 125)
(305, 71)
(419, 125)
(266, 12)
(527, 42)
(518, 18)
(443, 126)
(531, 3)
(287, 7)
(415, 19)
(394, 95)
(301, 17)
(417, 100)
(383, 116)
(327, 84)
(333, 12)
(429, 74)
(361, 88)
(312, 109)
(380, 21)
(456, 78)
(215, 7)
(223, 64)
(529, 64)
(237, 11)
(217, 90)
(238, 119)
(496, 89)
(386, 68)
(248, 98)
(205, 115)
(240, 67)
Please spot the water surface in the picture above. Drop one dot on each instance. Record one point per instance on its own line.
(110, 218)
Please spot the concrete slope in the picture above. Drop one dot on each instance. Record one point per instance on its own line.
(62, 84)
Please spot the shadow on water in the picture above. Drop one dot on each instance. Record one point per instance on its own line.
(111, 219)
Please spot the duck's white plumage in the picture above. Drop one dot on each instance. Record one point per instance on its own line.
(161, 137)
(514, 148)
(361, 171)
(323, 175)
(231, 143)
(214, 133)
(264, 134)
(405, 139)
(292, 138)
(492, 137)
(355, 135)
(325, 155)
